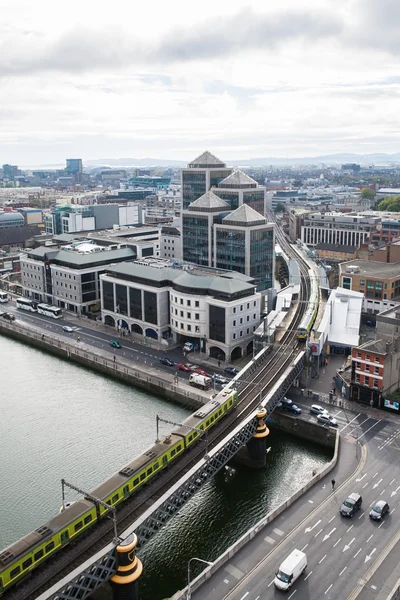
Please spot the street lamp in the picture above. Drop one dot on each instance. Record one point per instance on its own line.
(206, 562)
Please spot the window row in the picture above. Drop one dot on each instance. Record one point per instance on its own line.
(234, 335)
(196, 303)
(174, 311)
(185, 327)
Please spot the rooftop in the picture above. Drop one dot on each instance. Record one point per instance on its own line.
(371, 268)
(238, 179)
(244, 215)
(378, 346)
(206, 161)
(336, 248)
(209, 200)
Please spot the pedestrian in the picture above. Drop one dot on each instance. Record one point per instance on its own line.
(219, 363)
(115, 358)
(333, 482)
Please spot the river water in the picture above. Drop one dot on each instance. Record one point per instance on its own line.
(60, 420)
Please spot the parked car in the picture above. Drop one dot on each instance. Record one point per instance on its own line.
(115, 344)
(286, 402)
(231, 371)
(351, 505)
(167, 361)
(183, 367)
(201, 371)
(378, 511)
(69, 329)
(327, 419)
(192, 367)
(8, 316)
(293, 409)
(316, 409)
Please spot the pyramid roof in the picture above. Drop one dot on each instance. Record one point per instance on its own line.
(207, 160)
(244, 215)
(209, 200)
(238, 179)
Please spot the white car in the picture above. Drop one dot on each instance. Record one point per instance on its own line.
(68, 329)
(316, 409)
(327, 419)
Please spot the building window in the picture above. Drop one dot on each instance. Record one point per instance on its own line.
(376, 359)
(368, 357)
(188, 303)
(362, 282)
(189, 315)
(197, 316)
(367, 368)
(357, 378)
(189, 328)
(234, 309)
(358, 355)
(234, 323)
(358, 365)
(376, 370)
(197, 303)
(376, 383)
(234, 336)
(182, 301)
(181, 313)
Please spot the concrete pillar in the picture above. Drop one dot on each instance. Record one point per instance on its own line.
(125, 582)
(257, 446)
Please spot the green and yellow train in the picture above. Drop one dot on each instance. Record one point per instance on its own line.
(21, 558)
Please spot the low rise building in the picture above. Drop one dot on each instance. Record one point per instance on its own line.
(68, 277)
(296, 221)
(338, 228)
(216, 310)
(375, 372)
(335, 253)
(74, 218)
(379, 282)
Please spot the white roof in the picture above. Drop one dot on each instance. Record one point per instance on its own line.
(345, 307)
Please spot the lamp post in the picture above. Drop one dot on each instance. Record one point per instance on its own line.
(206, 562)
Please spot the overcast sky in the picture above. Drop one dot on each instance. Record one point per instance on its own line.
(171, 79)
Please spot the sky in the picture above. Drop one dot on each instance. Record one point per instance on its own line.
(172, 79)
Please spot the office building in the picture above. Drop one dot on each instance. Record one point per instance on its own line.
(338, 228)
(73, 218)
(379, 282)
(11, 218)
(10, 171)
(202, 174)
(387, 231)
(68, 277)
(239, 188)
(74, 166)
(217, 310)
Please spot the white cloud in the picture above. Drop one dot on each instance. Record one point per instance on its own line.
(131, 80)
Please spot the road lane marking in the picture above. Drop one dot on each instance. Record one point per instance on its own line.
(305, 578)
(322, 559)
(394, 479)
(243, 597)
(361, 478)
(334, 545)
(357, 553)
(269, 585)
(376, 484)
(292, 594)
(270, 540)
(328, 535)
(334, 517)
(308, 529)
(328, 589)
(373, 476)
(302, 550)
(342, 571)
(365, 485)
(350, 528)
(362, 514)
(317, 534)
(392, 510)
(349, 423)
(278, 532)
(370, 555)
(370, 538)
(358, 425)
(347, 546)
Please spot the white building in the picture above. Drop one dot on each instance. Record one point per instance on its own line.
(218, 310)
(337, 228)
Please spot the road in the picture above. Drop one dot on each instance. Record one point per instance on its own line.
(100, 340)
(340, 551)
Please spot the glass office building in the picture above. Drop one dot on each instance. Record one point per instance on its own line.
(201, 174)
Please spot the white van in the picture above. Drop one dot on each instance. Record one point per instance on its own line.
(291, 568)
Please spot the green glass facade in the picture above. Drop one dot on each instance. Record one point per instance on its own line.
(231, 250)
(262, 258)
(255, 199)
(232, 198)
(194, 185)
(195, 239)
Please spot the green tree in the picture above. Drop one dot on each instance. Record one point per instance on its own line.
(367, 194)
(391, 204)
(280, 207)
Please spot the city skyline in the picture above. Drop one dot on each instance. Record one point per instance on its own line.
(242, 81)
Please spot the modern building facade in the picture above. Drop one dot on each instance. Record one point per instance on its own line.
(202, 174)
(218, 310)
(68, 277)
(380, 281)
(338, 228)
(239, 188)
(72, 218)
(74, 166)
(11, 219)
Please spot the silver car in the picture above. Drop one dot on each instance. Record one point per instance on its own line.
(316, 409)
(379, 510)
(326, 419)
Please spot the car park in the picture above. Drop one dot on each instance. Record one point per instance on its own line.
(379, 510)
(326, 419)
(115, 344)
(231, 371)
(316, 409)
(167, 361)
(69, 329)
(183, 367)
(351, 505)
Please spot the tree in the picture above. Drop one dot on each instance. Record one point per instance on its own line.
(367, 194)
(391, 204)
(280, 207)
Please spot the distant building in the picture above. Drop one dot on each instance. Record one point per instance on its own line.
(11, 219)
(390, 253)
(296, 221)
(379, 282)
(10, 171)
(74, 218)
(145, 181)
(74, 166)
(32, 216)
(170, 243)
(217, 310)
(383, 193)
(387, 230)
(337, 228)
(335, 253)
(202, 174)
(352, 167)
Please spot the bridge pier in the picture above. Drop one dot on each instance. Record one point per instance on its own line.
(125, 582)
(255, 453)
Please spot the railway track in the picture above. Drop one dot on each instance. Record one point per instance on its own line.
(249, 393)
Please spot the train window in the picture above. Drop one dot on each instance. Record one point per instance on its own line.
(15, 572)
(38, 555)
(173, 452)
(211, 419)
(87, 519)
(115, 498)
(27, 563)
(135, 481)
(220, 411)
(49, 547)
(149, 471)
(179, 448)
(78, 526)
(230, 402)
(207, 423)
(156, 465)
(190, 438)
(108, 502)
(201, 427)
(126, 489)
(225, 408)
(143, 476)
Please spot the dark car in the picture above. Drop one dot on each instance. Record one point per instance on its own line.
(378, 511)
(8, 317)
(183, 367)
(115, 344)
(231, 371)
(167, 361)
(293, 409)
(351, 505)
(286, 403)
